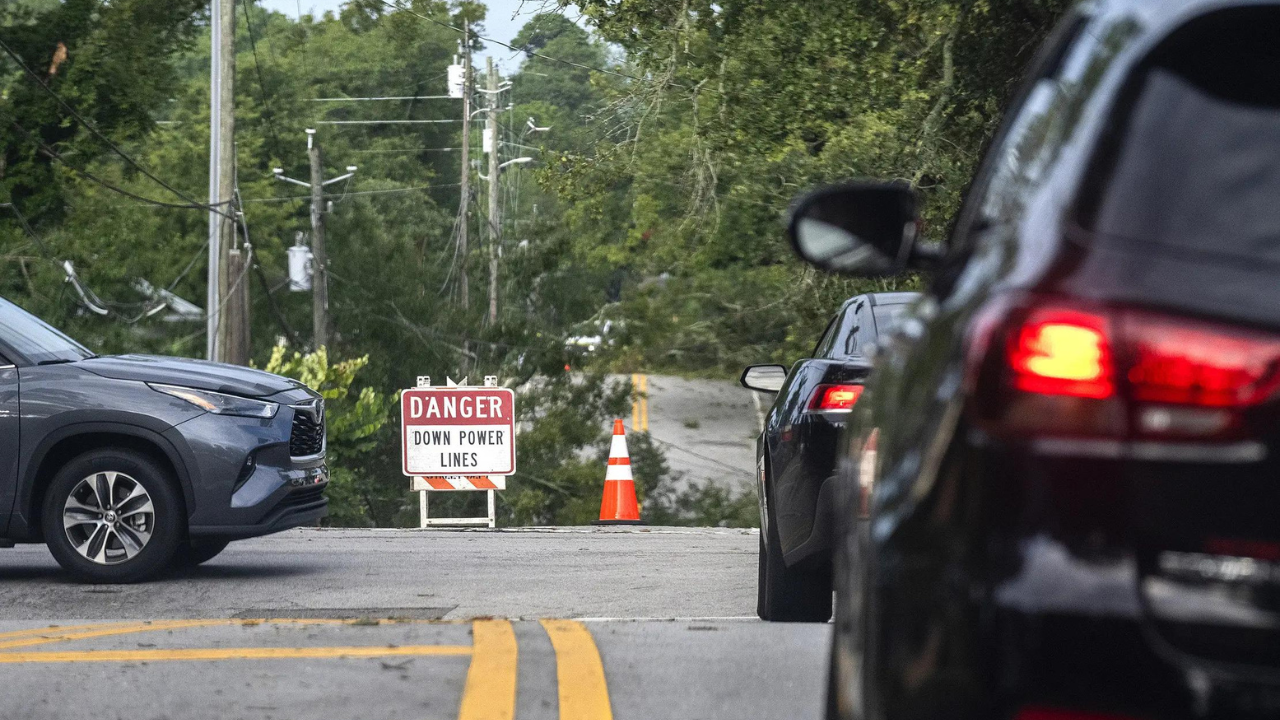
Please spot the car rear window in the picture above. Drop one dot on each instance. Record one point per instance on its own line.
(1194, 161)
(887, 316)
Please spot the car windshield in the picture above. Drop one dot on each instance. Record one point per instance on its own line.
(36, 340)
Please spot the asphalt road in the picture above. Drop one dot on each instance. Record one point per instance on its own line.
(707, 428)
(580, 623)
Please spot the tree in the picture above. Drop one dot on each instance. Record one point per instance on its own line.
(737, 107)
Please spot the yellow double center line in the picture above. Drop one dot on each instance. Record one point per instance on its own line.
(640, 403)
(490, 692)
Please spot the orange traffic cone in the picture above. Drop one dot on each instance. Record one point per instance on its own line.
(618, 506)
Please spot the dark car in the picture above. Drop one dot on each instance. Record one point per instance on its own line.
(1075, 486)
(796, 452)
(125, 465)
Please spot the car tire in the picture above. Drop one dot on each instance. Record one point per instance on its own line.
(113, 516)
(800, 593)
(191, 554)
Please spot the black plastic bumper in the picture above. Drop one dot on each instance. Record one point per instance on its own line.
(300, 507)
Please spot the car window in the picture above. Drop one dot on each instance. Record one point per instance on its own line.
(828, 336)
(888, 316)
(34, 339)
(1193, 164)
(858, 335)
(995, 190)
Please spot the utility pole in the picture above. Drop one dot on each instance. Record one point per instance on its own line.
(465, 207)
(320, 281)
(236, 311)
(319, 259)
(222, 153)
(495, 222)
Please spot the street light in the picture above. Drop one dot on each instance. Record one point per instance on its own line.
(516, 161)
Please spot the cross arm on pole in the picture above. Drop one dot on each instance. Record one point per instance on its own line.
(279, 173)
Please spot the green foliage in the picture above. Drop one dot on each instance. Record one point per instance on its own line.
(655, 202)
(743, 105)
(557, 483)
(704, 505)
(354, 425)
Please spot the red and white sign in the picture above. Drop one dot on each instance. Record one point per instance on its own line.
(458, 482)
(458, 431)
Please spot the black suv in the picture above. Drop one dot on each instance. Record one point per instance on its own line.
(1073, 439)
(125, 465)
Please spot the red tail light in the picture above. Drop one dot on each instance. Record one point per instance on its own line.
(1192, 363)
(1062, 352)
(835, 398)
(1061, 368)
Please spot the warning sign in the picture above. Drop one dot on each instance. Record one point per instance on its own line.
(458, 431)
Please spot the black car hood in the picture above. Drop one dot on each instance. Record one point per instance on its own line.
(198, 374)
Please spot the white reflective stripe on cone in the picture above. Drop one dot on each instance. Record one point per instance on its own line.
(618, 472)
(619, 447)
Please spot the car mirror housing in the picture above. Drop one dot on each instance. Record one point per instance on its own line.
(867, 229)
(764, 378)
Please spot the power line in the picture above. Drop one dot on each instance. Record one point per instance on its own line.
(275, 309)
(512, 47)
(87, 294)
(22, 220)
(287, 198)
(371, 99)
(39, 242)
(386, 122)
(97, 133)
(402, 150)
(56, 156)
(700, 456)
(262, 85)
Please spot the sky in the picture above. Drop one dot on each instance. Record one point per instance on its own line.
(505, 18)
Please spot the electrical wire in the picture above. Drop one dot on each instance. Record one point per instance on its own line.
(534, 53)
(56, 156)
(99, 134)
(26, 226)
(700, 456)
(275, 308)
(287, 198)
(262, 84)
(402, 151)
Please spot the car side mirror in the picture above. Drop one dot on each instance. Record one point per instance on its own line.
(764, 378)
(867, 229)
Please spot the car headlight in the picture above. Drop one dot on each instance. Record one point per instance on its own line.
(219, 403)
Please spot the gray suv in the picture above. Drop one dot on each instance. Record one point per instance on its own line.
(129, 464)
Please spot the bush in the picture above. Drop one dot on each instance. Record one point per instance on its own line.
(355, 424)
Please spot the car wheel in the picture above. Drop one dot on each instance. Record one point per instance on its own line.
(191, 554)
(113, 516)
(800, 593)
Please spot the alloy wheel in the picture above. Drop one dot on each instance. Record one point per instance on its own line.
(108, 518)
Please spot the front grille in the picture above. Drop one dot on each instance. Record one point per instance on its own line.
(307, 437)
(305, 496)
